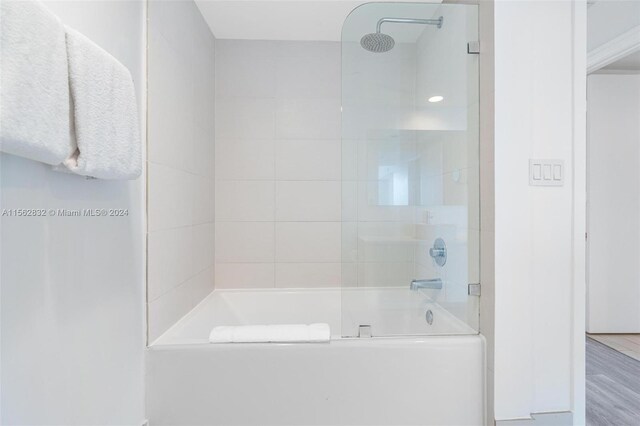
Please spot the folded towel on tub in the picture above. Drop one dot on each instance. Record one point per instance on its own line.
(282, 333)
(34, 85)
(105, 113)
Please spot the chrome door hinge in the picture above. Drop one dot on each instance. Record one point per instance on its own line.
(474, 289)
(473, 47)
(364, 331)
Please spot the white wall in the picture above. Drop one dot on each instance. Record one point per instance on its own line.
(73, 288)
(181, 162)
(278, 205)
(535, 70)
(613, 291)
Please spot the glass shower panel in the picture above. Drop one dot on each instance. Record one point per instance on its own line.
(410, 170)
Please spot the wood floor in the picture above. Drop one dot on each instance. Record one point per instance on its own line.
(628, 344)
(613, 387)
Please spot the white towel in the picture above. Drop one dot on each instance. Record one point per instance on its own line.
(289, 333)
(105, 113)
(34, 83)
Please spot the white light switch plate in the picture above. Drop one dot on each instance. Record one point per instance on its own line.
(546, 172)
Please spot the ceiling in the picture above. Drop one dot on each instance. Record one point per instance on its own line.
(279, 20)
(628, 63)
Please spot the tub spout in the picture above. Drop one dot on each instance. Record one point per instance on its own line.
(435, 284)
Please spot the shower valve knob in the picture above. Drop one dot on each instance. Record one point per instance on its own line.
(436, 252)
(439, 252)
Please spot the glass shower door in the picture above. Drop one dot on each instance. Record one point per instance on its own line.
(410, 177)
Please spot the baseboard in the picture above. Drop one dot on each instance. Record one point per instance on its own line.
(563, 418)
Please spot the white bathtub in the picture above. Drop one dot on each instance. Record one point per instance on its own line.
(430, 380)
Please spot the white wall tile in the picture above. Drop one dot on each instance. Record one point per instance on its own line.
(181, 167)
(173, 20)
(245, 69)
(245, 159)
(204, 77)
(170, 197)
(204, 93)
(370, 210)
(349, 275)
(164, 311)
(308, 118)
(385, 274)
(202, 246)
(308, 201)
(170, 307)
(170, 123)
(203, 157)
(308, 159)
(349, 159)
(305, 275)
(245, 275)
(308, 70)
(385, 250)
(245, 201)
(245, 118)
(349, 246)
(308, 241)
(385, 229)
(204, 40)
(349, 200)
(278, 158)
(203, 200)
(201, 285)
(244, 242)
(170, 259)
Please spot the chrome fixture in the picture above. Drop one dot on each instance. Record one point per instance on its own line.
(474, 289)
(473, 47)
(364, 331)
(439, 252)
(379, 42)
(433, 284)
(429, 316)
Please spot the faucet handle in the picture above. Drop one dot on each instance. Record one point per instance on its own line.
(439, 252)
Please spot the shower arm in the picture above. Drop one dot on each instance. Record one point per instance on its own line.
(437, 22)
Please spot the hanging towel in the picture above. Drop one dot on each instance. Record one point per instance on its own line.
(105, 113)
(34, 83)
(284, 333)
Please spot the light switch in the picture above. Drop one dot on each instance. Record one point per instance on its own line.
(546, 172)
(557, 172)
(537, 171)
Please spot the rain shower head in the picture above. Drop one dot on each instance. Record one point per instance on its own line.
(379, 42)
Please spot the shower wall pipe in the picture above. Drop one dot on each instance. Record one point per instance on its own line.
(437, 22)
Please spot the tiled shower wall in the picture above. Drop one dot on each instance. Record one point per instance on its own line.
(278, 164)
(295, 206)
(181, 66)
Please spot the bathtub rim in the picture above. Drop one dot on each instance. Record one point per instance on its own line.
(382, 340)
(159, 341)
